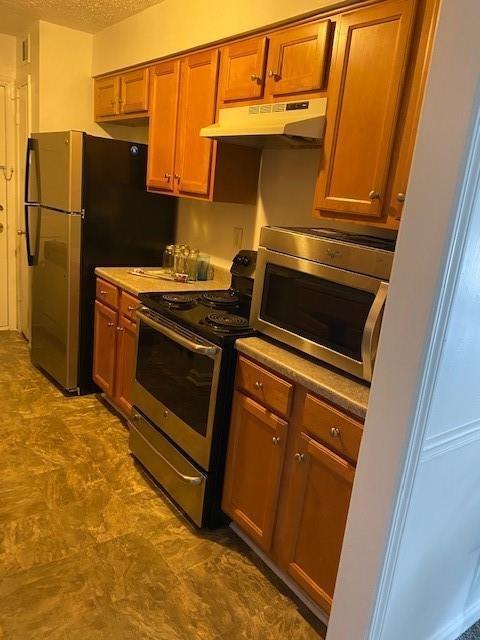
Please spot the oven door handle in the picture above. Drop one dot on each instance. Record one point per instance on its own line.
(370, 331)
(202, 349)
(195, 480)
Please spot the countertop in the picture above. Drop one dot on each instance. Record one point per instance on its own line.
(343, 391)
(135, 284)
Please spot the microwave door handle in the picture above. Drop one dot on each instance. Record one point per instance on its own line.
(370, 330)
(177, 337)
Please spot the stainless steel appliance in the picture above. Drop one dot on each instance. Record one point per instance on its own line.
(323, 291)
(183, 388)
(85, 206)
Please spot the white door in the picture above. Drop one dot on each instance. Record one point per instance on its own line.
(23, 272)
(3, 211)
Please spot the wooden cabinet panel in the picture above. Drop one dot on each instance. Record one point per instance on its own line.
(297, 59)
(126, 352)
(107, 293)
(338, 431)
(254, 466)
(107, 97)
(198, 84)
(163, 125)
(320, 498)
(365, 89)
(242, 70)
(104, 347)
(264, 386)
(134, 91)
(128, 305)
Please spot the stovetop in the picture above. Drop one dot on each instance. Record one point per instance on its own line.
(220, 316)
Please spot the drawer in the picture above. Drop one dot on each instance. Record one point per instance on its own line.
(128, 304)
(107, 293)
(332, 427)
(270, 390)
(173, 472)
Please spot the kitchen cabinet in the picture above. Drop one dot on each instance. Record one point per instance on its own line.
(254, 466)
(364, 95)
(122, 96)
(297, 60)
(180, 161)
(114, 349)
(289, 479)
(242, 71)
(321, 486)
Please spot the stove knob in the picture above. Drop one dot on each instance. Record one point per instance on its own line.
(245, 261)
(238, 259)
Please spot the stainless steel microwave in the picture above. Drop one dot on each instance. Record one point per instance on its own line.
(323, 291)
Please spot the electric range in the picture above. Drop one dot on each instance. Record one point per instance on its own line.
(183, 388)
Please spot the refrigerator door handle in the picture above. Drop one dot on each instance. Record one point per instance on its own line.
(30, 149)
(30, 256)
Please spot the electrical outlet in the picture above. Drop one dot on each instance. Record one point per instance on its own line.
(237, 238)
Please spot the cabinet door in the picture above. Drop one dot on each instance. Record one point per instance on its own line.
(242, 71)
(365, 89)
(104, 347)
(107, 97)
(254, 465)
(320, 497)
(297, 59)
(198, 85)
(134, 91)
(163, 125)
(126, 348)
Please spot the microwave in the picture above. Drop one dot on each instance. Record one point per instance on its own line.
(323, 291)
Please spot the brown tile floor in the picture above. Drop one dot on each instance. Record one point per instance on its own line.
(89, 550)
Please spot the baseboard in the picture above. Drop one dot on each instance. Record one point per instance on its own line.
(315, 609)
(459, 625)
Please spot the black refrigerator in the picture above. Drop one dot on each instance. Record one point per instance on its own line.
(86, 206)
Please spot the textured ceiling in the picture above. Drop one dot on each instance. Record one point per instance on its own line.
(86, 15)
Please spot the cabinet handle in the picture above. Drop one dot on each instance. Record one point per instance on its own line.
(177, 177)
(255, 78)
(335, 432)
(167, 176)
(110, 324)
(130, 308)
(120, 329)
(103, 293)
(258, 385)
(299, 457)
(401, 196)
(274, 75)
(276, 440)
(374, 195)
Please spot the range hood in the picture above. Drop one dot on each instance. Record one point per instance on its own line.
(293, 124)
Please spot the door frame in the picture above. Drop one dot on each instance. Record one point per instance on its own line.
(11, 199)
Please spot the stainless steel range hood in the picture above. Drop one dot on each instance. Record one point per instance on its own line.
(293, 124)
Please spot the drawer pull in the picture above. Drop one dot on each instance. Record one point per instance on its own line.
(299, 457)
(276, 440)
(120, 329)
(255, 78)
(103, 293)
(258, 385)
(132, 308)
(110, 324)
(335, 432)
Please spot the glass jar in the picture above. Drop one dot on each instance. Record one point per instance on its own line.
(169, 258)
(203, 264)
(192, 262)
(178, 262)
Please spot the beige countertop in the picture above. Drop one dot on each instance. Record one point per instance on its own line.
(136, 284)
(343, 391)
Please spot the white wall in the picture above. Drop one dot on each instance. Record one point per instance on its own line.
(7, 56)
(287, 181)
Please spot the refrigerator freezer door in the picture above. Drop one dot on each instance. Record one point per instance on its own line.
(55, 295)
(54, 170)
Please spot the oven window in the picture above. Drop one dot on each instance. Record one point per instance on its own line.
(179, 378)
(330, 314)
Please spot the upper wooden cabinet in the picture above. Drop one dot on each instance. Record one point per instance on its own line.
(181, 162)
(121, 96)
(242, 73)
(364, 95)
(297, 60)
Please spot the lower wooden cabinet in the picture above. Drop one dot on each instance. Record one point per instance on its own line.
(104, 347)
(287, 486)
(254, 468)
(114, 346)
(321, 486)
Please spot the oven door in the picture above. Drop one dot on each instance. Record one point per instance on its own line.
(176, 382)
(329, 313)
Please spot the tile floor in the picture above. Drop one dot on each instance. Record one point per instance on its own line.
(89, 550)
